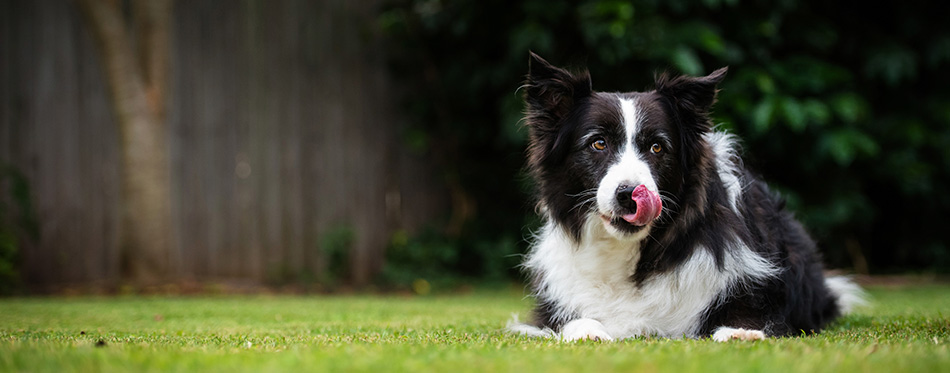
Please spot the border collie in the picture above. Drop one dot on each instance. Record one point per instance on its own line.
(653, 227)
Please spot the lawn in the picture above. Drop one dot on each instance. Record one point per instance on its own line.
(907, 329)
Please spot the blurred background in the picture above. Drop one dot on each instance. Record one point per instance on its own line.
(337, 144)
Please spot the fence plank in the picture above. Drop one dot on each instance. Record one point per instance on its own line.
(282, 131)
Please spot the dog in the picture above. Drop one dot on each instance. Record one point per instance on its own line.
(653, 225)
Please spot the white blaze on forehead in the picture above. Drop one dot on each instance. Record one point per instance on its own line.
(631, 118)
(629, 168)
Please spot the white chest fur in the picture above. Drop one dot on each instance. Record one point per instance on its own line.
(591, 280)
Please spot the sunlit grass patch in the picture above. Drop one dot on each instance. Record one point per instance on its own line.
(905, 329)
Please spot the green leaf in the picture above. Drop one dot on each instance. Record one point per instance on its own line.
(794, 114)
(892, 63)
(765, 83)
(762, 115)
(840, 150)
(711, 41)
(845, 145)
(850, 107)
(816, 111)
(685, 59)
(618, 29)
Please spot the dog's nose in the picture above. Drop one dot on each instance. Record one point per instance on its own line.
(624, 197)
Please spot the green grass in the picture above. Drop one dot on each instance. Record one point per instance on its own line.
(908, 329)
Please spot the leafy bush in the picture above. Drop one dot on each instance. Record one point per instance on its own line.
(17, 223)
(441, 261)
(843, 108)
(9, 274)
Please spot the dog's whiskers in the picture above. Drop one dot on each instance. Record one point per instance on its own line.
(586, 201)
(588, 192)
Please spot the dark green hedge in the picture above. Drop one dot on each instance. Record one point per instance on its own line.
(843, 106)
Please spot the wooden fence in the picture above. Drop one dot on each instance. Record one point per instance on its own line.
(284, 141)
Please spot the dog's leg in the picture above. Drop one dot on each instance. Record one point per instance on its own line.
(585, 329)
(725, 333)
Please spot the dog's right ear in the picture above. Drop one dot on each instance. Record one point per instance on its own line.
(551, 92)
(550, 96)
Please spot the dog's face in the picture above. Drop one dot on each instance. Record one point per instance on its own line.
(613, 157)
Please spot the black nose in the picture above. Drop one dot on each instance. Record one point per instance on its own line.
(624, 197)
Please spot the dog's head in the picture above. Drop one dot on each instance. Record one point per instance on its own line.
(615, 156)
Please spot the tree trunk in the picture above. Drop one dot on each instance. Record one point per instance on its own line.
(136, 81)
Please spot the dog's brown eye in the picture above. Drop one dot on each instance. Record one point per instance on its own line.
(599, 145)
(656, 149)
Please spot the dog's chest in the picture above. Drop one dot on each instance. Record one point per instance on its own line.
(597, 282)
(593, 280)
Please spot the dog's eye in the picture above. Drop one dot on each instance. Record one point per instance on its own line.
(656, 149)
(599, 145)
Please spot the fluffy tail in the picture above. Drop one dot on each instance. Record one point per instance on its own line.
(850, 295)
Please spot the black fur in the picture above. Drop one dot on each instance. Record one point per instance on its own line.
(795, 302)
(562, 112)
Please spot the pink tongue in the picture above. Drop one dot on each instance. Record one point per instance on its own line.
(648, 206)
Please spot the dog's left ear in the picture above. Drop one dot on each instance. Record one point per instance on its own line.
(691, 97)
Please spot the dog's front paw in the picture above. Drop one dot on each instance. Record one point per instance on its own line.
(585, 329)
(724, 333)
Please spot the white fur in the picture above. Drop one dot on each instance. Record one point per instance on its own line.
(724, 147)
(849, 294)
(515, 326)
(725, 334)
(631, 116)
(585, 329)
